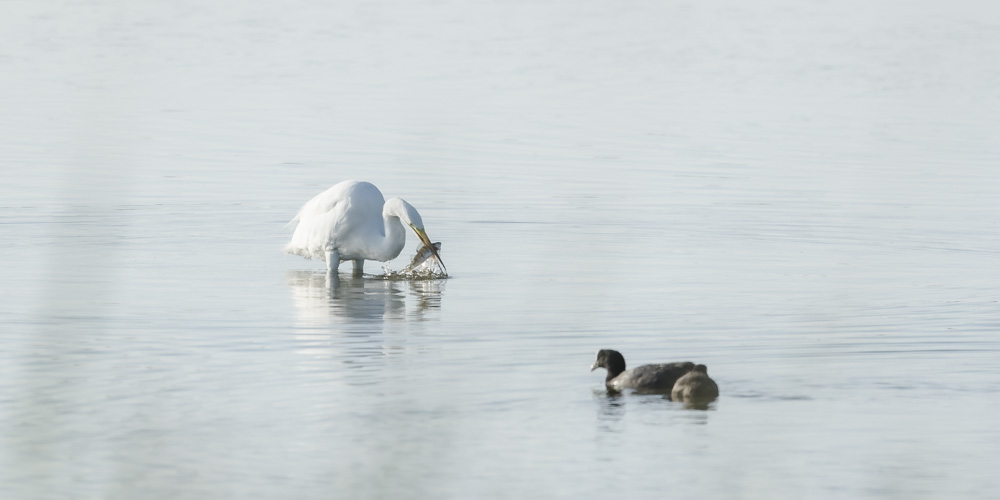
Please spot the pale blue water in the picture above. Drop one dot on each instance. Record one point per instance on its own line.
(804, 197)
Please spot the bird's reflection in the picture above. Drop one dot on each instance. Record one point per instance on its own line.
(611, 409)
(698, 405)
(320, 297)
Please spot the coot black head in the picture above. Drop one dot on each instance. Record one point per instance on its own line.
(611, 360)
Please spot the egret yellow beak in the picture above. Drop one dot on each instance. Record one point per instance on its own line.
(423, 237)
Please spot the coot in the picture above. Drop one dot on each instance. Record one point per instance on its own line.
(646, 378)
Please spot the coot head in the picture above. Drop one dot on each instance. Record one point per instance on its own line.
(611, 360)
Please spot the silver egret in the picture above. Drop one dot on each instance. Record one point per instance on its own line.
(353, 221)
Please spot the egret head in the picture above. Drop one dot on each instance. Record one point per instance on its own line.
(398, 207)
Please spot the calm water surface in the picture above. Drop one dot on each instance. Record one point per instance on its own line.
(803, 196)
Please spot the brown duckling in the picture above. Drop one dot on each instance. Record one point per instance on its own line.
(695, 386)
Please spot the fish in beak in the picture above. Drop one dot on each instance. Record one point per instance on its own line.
(429, 246)
(422, 255)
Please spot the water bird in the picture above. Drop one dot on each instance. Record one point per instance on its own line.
(645, 378)
(695, 386)
(353, 221)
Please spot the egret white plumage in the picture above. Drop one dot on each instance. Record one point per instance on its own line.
(352, 221)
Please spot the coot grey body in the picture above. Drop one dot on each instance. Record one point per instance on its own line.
(646, 378)
(695, 386)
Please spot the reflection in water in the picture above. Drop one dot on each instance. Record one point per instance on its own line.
(320, 297)
(698, 404)
(344, 318)
(611, 409)
(428, 294)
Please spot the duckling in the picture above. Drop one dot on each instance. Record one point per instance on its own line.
(695, 386)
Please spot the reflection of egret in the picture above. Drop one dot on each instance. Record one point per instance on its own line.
(320, 297)
(352, 221)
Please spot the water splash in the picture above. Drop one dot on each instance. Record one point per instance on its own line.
(423, 272)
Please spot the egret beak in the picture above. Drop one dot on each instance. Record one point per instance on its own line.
(427, 242)
(423, 236)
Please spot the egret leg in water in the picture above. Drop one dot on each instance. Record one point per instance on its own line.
(352, 221)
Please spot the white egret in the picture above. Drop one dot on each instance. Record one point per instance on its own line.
(352, 221)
